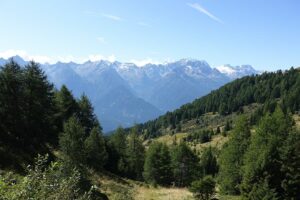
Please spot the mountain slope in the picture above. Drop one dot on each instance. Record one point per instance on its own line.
(115, 103)
(160, 84)
(124, 94)
(266, 89)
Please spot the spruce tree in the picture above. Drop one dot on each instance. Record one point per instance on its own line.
(118, 139)
(185, 165)
(66, 103)
(208, 162)
(11, 104)
(96, 154)
(86, 114)
(71, 143)
(290, 162)
(231, 158)
(135, 154)
(118, 142)
(157, 167)
(39, 105)
(262, 160)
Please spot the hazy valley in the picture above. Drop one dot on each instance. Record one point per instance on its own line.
(124, 94)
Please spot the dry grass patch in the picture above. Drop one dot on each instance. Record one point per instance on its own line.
(297, 120)
(169, 139)
(150, 193)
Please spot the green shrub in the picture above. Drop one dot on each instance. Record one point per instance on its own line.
(203, 189)
(46, 182)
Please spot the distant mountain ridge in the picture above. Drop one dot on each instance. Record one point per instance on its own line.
(124, 94)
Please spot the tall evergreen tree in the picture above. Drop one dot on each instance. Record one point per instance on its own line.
(185, 165)
(96, 154)
(118, 139)
(118, 142)
(290, 162)
(157, 167)
(71, 143)
(66, 103)
(86, 114)
(231, 158)
(11, 103)
(262, 159)
(39, 105)
(135, 155)
(208, 162)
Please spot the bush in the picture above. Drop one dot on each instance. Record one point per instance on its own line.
(203, 189)
(46, 182)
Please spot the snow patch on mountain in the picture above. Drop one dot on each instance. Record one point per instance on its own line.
(234, 72)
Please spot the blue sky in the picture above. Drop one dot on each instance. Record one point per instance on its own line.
(263, 33)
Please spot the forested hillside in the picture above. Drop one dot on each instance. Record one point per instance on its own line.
(267, 89)
(242, 140)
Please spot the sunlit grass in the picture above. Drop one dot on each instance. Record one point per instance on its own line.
(161, 193)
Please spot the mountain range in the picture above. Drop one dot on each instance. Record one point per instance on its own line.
(124, 93)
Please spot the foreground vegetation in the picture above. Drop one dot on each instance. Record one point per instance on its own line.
(247, 146)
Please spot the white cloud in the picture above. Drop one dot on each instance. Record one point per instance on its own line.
(45, 59)
(112, 17)
(199, 8)
(143, 62)
(12, 52)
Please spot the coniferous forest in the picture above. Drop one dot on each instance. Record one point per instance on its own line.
(52, 145)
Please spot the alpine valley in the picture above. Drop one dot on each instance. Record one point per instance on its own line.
(124, 94)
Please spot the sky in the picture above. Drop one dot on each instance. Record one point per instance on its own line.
(262, 33)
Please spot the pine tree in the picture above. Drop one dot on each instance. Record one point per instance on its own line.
(184, 164)
(135, 155)
(39, 105)
(261, 190)
(208, 162)
(262, 159)
(112, 157)
(11, 104)
(96, 154)
(118, 139)
(203, 189)
(231, 158)
(66, 103)
(119, 144)
(290, 162)
(157, 167)
(86, 114)
(71, 143)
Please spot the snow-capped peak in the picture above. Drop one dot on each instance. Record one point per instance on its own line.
(226, 69)
(236, 71)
